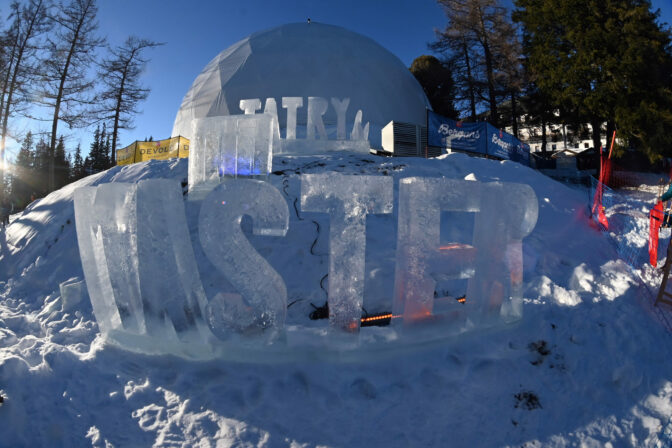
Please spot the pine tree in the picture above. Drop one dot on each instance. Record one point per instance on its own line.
(603, 62)
(61, 164)
(437, 82)
(93, 159)
(41, 168)
(77, 171)
(24, 178)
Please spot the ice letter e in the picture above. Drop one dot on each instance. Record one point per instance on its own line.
(347, 200)
(259, 286)
(505, 214)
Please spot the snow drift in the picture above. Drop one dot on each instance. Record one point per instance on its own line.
(587, 364)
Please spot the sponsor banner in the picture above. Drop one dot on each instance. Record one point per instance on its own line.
(455, 135)
(500, 143)
(160, 149)
(126, 156)
(183, 150)
(505, 146)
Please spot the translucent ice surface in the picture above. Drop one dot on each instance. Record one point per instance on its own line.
(235, 145)
(142, 281)
(172, 294)
(261, 299)
(504, 214)
(347, 199)
(106, 233)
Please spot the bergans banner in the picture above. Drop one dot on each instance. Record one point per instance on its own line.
(160, 149)
(480, 138)
(450, 134)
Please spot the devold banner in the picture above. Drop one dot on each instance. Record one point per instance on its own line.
(161, 149)
(480, 138)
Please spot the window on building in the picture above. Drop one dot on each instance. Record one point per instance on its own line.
(585, 145)
(554, 147)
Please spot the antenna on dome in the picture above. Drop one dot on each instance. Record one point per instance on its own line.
(308, 20)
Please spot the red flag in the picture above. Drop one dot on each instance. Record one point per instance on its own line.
(656, 217)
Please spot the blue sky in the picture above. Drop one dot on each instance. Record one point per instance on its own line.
(196, 31)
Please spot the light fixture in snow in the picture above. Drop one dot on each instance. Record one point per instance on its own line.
(146, 288)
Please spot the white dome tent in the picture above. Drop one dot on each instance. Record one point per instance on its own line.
(311, 63)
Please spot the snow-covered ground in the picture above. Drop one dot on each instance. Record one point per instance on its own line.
(588, 365)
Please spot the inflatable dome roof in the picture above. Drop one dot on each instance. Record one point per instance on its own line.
(307, 60)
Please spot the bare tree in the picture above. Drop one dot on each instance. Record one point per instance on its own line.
(66, 89)
(120, 75)
(29, 22)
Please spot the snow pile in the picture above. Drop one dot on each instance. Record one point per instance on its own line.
(587, 364)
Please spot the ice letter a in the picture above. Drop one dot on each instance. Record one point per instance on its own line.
(504, 214)
(262, 300)
(347, 200)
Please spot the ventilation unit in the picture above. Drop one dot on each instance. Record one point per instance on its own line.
(407, 140)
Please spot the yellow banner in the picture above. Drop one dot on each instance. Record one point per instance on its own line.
(126, 156)
(184, 146)
(156, 150)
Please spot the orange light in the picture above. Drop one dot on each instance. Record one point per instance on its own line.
(455, 246)
(381, 317)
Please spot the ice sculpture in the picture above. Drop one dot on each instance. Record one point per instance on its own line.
(347, 200)
(166, 302)
(172, 294)
(235, 145)
(316, 108)
(291, 104)
(261, 302)
(251, 106)
(504, 214)
(341, 107)
(106, 233)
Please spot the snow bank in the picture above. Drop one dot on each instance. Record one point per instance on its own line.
(585, 366)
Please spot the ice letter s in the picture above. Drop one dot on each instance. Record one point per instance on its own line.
(347, 200)
(291, 103)
(222, 238)
(316, 108)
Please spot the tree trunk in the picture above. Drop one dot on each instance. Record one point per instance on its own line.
(596, 124)
(489, 68)
(514, 114)
(543, 136)
(470, 81)
(117, 112)
(57, 106)
(10, 92)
